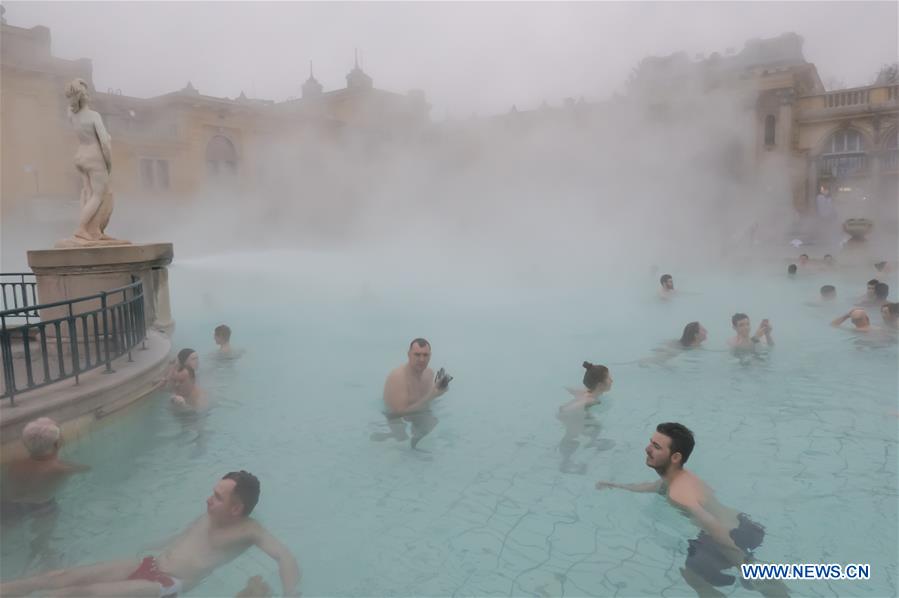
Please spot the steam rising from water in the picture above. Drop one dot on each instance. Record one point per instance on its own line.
(575, 188)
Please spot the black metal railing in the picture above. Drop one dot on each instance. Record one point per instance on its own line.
(19, 290)
(70, 338)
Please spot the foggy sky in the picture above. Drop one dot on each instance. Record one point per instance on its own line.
(467, 57)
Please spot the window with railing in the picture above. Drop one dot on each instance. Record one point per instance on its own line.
(844, 154)
(846, 141)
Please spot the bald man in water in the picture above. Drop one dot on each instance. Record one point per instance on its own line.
(408, 393)
(859, 319)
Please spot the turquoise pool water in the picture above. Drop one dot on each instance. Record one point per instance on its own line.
(803, 440)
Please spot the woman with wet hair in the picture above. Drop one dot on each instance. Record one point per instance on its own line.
(575, 417)
(693, 335)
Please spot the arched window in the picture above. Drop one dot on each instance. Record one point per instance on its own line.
(769, 129)
(892, 140)
(221, 157)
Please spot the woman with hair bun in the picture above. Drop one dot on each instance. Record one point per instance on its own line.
(575, 417)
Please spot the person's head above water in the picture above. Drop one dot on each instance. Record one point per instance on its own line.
(803, 259)
(890, 312)
(791, 269)
(419, 354)
(828, 292)
(828, 259)
(881, 291)
(693, 335)
(41, 437)
(667, 282)
(233, 497)
(222, 334)
(869, 291)
(597, 377)
(188, 357)
(859, 318)
(669, 447)
(879, 266)
(740, 322)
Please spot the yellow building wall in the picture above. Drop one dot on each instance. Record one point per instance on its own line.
(36, 143)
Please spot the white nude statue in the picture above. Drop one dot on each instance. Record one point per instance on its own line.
(93, 160)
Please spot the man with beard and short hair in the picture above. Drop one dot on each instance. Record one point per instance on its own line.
(727, 538)
(408, 393)
(870, 296)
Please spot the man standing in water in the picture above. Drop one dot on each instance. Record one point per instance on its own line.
(726, 538)
(408, 393)
(220, 536)
(742, 327)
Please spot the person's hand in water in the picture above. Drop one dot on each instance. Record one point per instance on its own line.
(601, 485)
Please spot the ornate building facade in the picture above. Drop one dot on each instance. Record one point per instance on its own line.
(180, 143)
(177, 144)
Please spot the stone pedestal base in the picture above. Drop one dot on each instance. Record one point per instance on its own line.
(77, 243)
(66, 274)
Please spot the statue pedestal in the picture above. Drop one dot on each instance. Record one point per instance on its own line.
(66, 274)
(76, 243)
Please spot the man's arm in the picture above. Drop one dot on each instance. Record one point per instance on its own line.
(642, 487)
(713, 527)
(288, 568)
(396, 395)
(840, 320)
(433, 393)
(764, 330)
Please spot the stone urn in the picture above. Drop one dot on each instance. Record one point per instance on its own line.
(857, 228)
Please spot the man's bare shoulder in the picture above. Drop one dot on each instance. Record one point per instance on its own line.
(686, 489)
(251, 530)
(398, 372)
